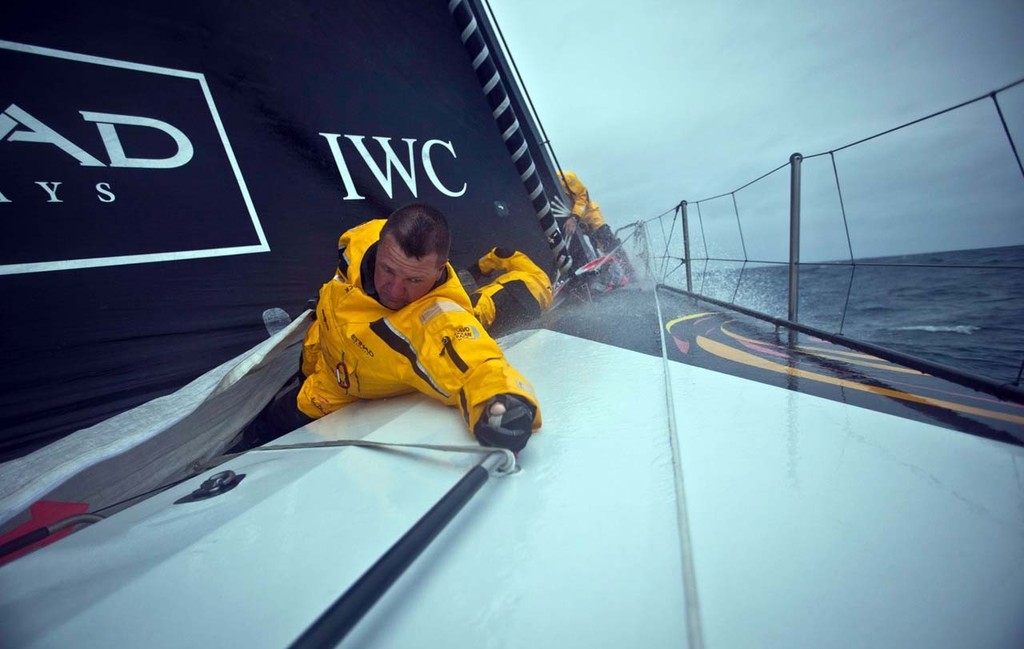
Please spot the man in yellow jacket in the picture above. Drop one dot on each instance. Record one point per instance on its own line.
(519, 294)
(395, 319)
(585, 214)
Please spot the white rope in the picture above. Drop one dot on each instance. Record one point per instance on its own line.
(694, 632)
(508, 467)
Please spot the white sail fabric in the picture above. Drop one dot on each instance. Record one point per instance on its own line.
(156, 443)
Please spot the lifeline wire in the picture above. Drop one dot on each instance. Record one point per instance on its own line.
(694, 632)
(510, 462)
(507, 468)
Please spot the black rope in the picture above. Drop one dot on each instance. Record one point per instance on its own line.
(920, 119)
(677, 266)
(992, 94)
(849, 291)
(739, 225)
(739, 281)
(665, 239)
(842, 205)
(971, 266)
(737, 260)
(849, 243)
(703, 239)
(668, 211)
(1006, 130)
(668, 241)
(761, 177)
(740, 261)
(678, 214)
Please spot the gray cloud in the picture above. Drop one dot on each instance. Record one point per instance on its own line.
(654, 102)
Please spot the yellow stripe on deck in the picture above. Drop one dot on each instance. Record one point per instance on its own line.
(846, 357)
(724, 351)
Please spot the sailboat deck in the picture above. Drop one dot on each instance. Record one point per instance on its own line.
(806, 519)
(717, 339)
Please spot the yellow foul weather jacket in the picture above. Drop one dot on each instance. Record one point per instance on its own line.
(359, 349)
(518, 273)
(586, 210)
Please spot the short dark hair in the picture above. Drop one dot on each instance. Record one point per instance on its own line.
(419, 229)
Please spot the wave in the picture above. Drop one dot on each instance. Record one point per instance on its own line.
(956, 329)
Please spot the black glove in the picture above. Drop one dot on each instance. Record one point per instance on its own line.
(511, 429)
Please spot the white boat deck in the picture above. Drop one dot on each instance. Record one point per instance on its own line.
(813, 523)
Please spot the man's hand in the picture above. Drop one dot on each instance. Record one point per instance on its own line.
(506, 423)
(570, 226)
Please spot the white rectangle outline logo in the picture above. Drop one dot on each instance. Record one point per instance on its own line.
(40, 267)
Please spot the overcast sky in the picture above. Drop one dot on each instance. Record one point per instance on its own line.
(654, 101)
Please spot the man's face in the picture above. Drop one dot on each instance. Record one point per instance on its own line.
(401, 279)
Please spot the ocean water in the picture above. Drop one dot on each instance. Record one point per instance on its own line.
(962, 308)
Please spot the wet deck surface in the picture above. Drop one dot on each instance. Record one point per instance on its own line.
(714, 338)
